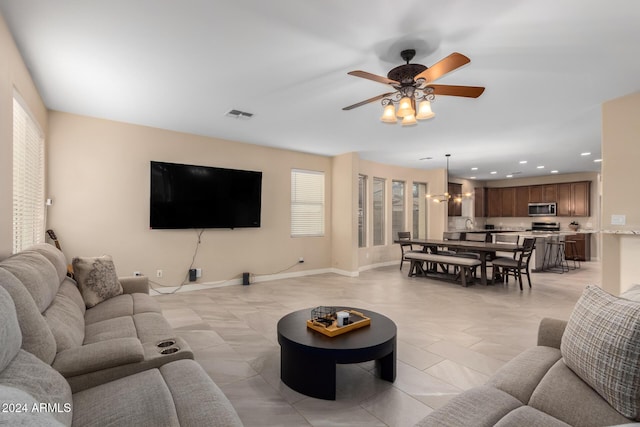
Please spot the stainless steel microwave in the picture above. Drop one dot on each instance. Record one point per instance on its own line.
(542, 209)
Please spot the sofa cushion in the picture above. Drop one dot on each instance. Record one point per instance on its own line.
(10, 336)
(478, 407)
(521, 375)
(37, 274)
(528, 416)
(119, 327)
(563, 395)
(179, 393)
(122, 305)
(97, 279)
(632, 293)
(36, 335)
(54, 255)
(601, 344)
(65, 319)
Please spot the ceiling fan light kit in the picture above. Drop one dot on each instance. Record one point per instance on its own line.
(412, 84)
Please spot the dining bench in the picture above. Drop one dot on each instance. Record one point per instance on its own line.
(418, 258)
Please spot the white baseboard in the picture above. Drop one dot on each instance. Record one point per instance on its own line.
(254, 279)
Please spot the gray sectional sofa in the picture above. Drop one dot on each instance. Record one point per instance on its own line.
(584, 372)
(116, 363)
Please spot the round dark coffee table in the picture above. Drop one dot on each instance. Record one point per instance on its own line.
(308, 358)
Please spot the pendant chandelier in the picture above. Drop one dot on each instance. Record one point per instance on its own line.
(446, 197)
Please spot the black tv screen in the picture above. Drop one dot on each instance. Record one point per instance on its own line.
(189, 196)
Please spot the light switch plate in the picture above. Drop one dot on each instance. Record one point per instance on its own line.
(618, 219)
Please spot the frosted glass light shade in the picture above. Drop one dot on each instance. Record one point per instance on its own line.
(424, 111)
(404, 108)
(389, 114)
(409, 120)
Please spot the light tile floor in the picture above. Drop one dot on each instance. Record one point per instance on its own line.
(450, 338)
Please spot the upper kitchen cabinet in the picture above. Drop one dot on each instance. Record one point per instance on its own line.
(494, 202)
(480, 202)
(543, 193)
(574, 199)
(522, 201)
(508, 201)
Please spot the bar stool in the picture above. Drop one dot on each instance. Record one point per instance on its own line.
(571, 253)
(554, 256)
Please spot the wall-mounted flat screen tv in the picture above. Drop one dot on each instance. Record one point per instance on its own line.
(190, 196)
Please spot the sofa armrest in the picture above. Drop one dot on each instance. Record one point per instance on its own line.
(550, 332)
(134, 284)
(97, 356)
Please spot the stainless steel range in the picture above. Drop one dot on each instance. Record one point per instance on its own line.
(545, 226)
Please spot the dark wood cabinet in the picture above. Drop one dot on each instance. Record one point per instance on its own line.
(480, 202)
(582, 247)
(535, 193)
(574, 199)
(508, 201)
(522, 201)
(494, 202)
(454, 207)
(549, 193)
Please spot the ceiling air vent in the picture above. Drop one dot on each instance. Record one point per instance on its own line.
(237, 114)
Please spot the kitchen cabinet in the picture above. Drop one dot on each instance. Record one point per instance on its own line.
(574, 199)
(543, 193)
(480, 202)
(522, 201)
(582, 247)
(508, 197)
(494, 202)
(454, 208)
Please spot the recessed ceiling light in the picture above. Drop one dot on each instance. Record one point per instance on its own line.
(597, 160)
(522, 162)
(473, 177)
(554, 171)
(585, 154)
(474, 169)
(493, 172)
(509, 176)
(426, 158)
(540, 167)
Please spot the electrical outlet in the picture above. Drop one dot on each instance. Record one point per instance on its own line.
(301, 260)
(158, 273)
(198, 272)
(137, 273)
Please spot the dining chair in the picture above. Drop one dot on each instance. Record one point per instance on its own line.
(507, 265)
(506, 239)
(405, 247)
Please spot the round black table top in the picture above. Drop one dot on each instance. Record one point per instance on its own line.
(293, 327)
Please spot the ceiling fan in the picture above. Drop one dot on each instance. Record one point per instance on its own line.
(413, 84)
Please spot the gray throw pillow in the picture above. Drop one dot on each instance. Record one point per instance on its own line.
(601, 344)
(97, 279)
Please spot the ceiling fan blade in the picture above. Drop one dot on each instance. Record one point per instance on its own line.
(375, 98)
(373, 77)
(466, 91)
(444, 66)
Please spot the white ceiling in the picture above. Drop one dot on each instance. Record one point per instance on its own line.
(547, 66)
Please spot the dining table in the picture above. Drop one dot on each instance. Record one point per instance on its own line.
(485, 250)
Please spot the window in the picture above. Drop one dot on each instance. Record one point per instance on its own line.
(307, 203)
(397, 208)
(28, 179)
(362, 211)
(419, 210)
(378, 211)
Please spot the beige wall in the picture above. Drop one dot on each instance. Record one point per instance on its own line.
(389, 253)
(620, 177)
(99, 182)
(13, 75)
(344, 230)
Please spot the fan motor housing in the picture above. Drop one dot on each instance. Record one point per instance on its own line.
(405, 73)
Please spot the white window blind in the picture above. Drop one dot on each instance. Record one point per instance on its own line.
(307, 203)
(28, 180)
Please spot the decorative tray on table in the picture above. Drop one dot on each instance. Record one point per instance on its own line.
(325, 321)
